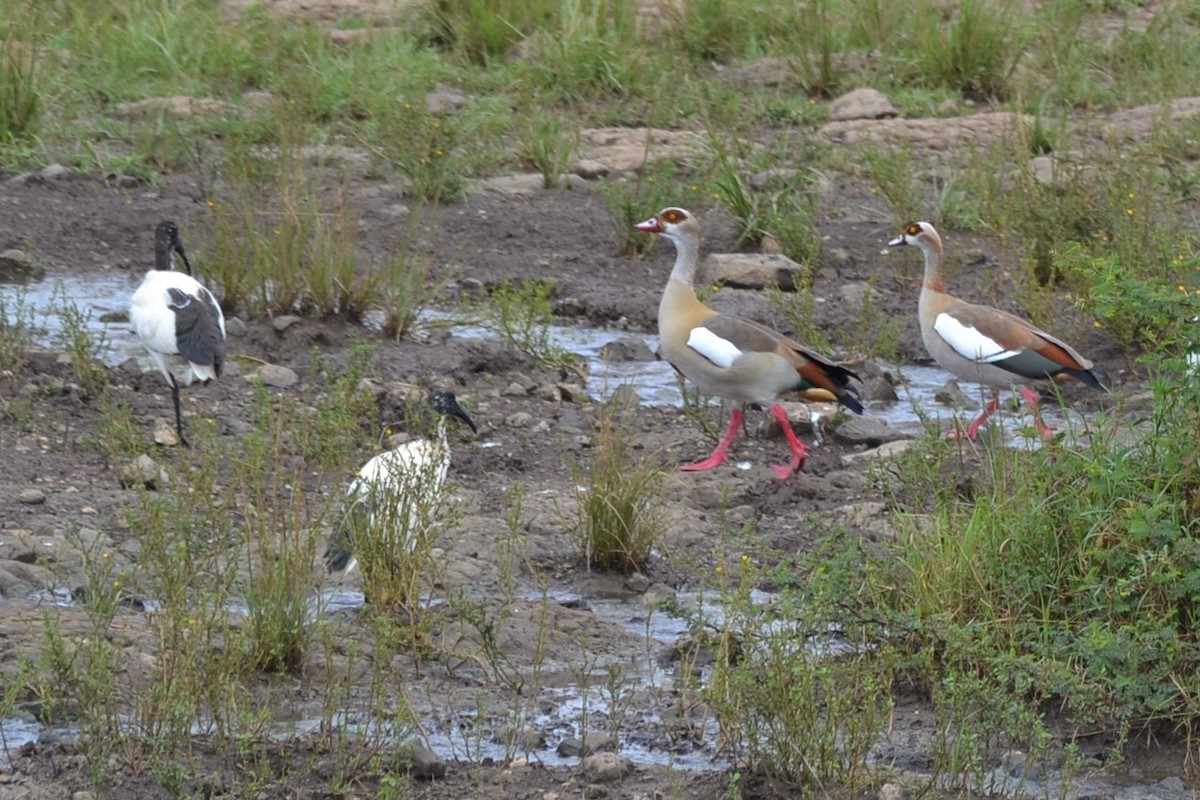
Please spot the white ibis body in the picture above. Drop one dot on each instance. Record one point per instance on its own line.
(390, 492)
(178, 319)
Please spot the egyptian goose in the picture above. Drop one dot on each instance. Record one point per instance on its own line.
(397, 487)
(732, 358)
(985, 345)
(177, 318)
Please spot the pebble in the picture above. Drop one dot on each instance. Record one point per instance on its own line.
(31, 497)
(521, 419)
(606, 767)
(281, 324)
(275, 375)
(164, 434)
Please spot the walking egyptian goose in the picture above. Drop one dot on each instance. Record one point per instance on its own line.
(732, 358)
(175, 316)
(395, 490)
(985, 345)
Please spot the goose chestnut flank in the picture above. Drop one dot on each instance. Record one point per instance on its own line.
(733, 358)
(178, 319)
(390, 493)
(985, 345)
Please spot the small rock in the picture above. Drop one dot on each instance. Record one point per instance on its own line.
(871, 431)
(521, 419)
(589, 169)
(446, 101)
(892, 791)
(235, 326)
(884, 451)
(515, 389)
(275, 375)
(115, 316)
(637, 582)
(627, 348)
(751, 270)
(31, 497)
(281, 324)
(550, 394)
(145, 471)
(572, 392)
(426, 765)
(862, 104)
(951, 395)
(606, 767)
(513, 185)
(164, 434)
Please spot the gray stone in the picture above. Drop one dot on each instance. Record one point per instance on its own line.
(871, 431)
(892, 791)
(951, 395)
(515, 389)
(751, 270)
(423, 764)
(627, 348)
(144, 471)
(513, 185)
(884, 451)
(589, 169)
(631, 149)
(282, 323)
(276, 375)
(606, 767)
(572, 392)
(862, 104)
(521, 419)
(31, 497)
(933, 133)
(165, 434)
(235, 326)
(15, 267)
(445, 101)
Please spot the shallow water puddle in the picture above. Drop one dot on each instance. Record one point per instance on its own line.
(653, 381)
(43, 304)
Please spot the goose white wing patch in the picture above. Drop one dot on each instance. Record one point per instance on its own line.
(969, 342)
(721, 352)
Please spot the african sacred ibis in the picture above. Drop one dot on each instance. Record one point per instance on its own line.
(393, 491)
(176, 317)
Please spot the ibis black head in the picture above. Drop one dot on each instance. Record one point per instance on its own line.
(444, 402)
(166, 244)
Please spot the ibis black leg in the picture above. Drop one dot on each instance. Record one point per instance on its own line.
(178, 413)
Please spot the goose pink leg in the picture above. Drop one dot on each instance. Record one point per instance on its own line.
(1031, 398)
(719, 454)
(973, 429)
(798, 449)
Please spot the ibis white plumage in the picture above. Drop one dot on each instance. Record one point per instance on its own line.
(393, 491)
(177, 318)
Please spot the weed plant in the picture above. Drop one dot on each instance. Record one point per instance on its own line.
(16, 329)
(84, 349)
(621, 519)
(520, 314)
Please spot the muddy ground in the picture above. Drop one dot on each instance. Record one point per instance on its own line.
(533, 434)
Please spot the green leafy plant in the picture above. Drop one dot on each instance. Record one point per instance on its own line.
(620, 515)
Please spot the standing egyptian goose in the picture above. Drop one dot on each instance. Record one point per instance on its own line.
(394, 491)
(732, 358)
(176, 317)
(986, 345)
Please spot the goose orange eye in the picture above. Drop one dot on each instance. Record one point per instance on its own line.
(913, 230)
(671, 216)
